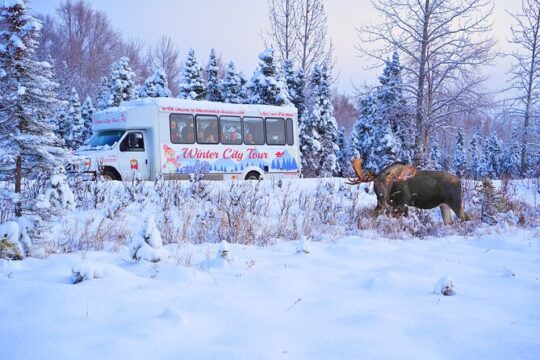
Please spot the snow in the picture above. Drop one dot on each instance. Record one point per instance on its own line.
(323, 295)
(365, 297)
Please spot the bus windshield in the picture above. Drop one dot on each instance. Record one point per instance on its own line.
(103, 139)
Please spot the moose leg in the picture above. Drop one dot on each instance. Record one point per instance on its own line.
(446, 214)
(460, 213)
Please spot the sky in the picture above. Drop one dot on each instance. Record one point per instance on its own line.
(235, 28)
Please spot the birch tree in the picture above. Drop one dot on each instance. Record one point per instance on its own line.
(525, 72)
(442, 43)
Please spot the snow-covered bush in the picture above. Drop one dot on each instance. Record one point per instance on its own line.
(58, 194)
(445, 286)
(147, 244)
(10, 246)
(84, 271)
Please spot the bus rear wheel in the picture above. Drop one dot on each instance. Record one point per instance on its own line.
(253, 175)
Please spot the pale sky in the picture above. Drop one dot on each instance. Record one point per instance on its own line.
(234, 28)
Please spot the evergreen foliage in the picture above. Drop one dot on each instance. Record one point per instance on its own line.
(75, 135)
(192, 86)
(318, 132)
(475, 161)
(265, 87)
(435, 156)
(213, 88)
(29, 146)
(121, 83)
(343, 159)
(295, 87)
(87, 111)
(231, 86)
(156, 85)
(459, 160)
(492, 164)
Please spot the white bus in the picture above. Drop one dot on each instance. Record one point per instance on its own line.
(176, 138)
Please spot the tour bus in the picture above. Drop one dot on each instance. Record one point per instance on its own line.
(176, 138)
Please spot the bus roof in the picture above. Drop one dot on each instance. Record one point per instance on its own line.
(174, 105)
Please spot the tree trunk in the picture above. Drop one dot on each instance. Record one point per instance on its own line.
(528, 105)
(418, 146)
(18, 183)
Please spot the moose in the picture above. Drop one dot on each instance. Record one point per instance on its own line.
(400, 185)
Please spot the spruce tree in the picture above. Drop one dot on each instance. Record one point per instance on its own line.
(87, 111)
(213, 89)
(459, 160)
(156, 85)
(475, 160)
(295, 86)
(493, 157)
(74, 137)
(435, 156)
(121, 83)
(362, 136)
(104, 93)
(391, 107)
(322, 150)
(264, 86)
(231, 86)
(29, 147)
(192, 86)
(342, 155)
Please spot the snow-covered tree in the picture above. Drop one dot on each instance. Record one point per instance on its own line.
(385, 150)
(435, 156)
(295, 86)
(511, 157)
(28, 99)
(87, 111)
(493, 157)
(213, 88)
(75, 135)
(343, 159)
(475, 159)
(156, 84)
(121, 83)
(459, 160)
(104, 93)
(231, 86)
(392, 108)
(147, 244)
(265, 87)
(320, 124)
(362, 136)
(192, 86)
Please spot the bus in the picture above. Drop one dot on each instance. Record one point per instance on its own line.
(176, 138)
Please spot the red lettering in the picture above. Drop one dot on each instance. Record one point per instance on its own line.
(252, 154)
(199, 154)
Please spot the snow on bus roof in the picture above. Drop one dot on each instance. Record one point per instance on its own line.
(204, 107)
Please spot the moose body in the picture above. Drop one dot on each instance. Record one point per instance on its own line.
(400, 185)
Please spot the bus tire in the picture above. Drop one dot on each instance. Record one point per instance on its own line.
(109, 174)
(253, 175)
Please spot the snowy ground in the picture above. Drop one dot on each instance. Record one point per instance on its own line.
(352, 296)
(357, 297)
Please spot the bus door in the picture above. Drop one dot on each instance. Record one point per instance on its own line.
(133, 156)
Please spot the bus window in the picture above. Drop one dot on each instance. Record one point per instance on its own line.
(181, 129)
(253, 131)
(207, 129)
(230, 130)
(275, 131)
(290, 132)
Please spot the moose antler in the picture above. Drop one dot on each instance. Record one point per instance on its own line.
(361, 178)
